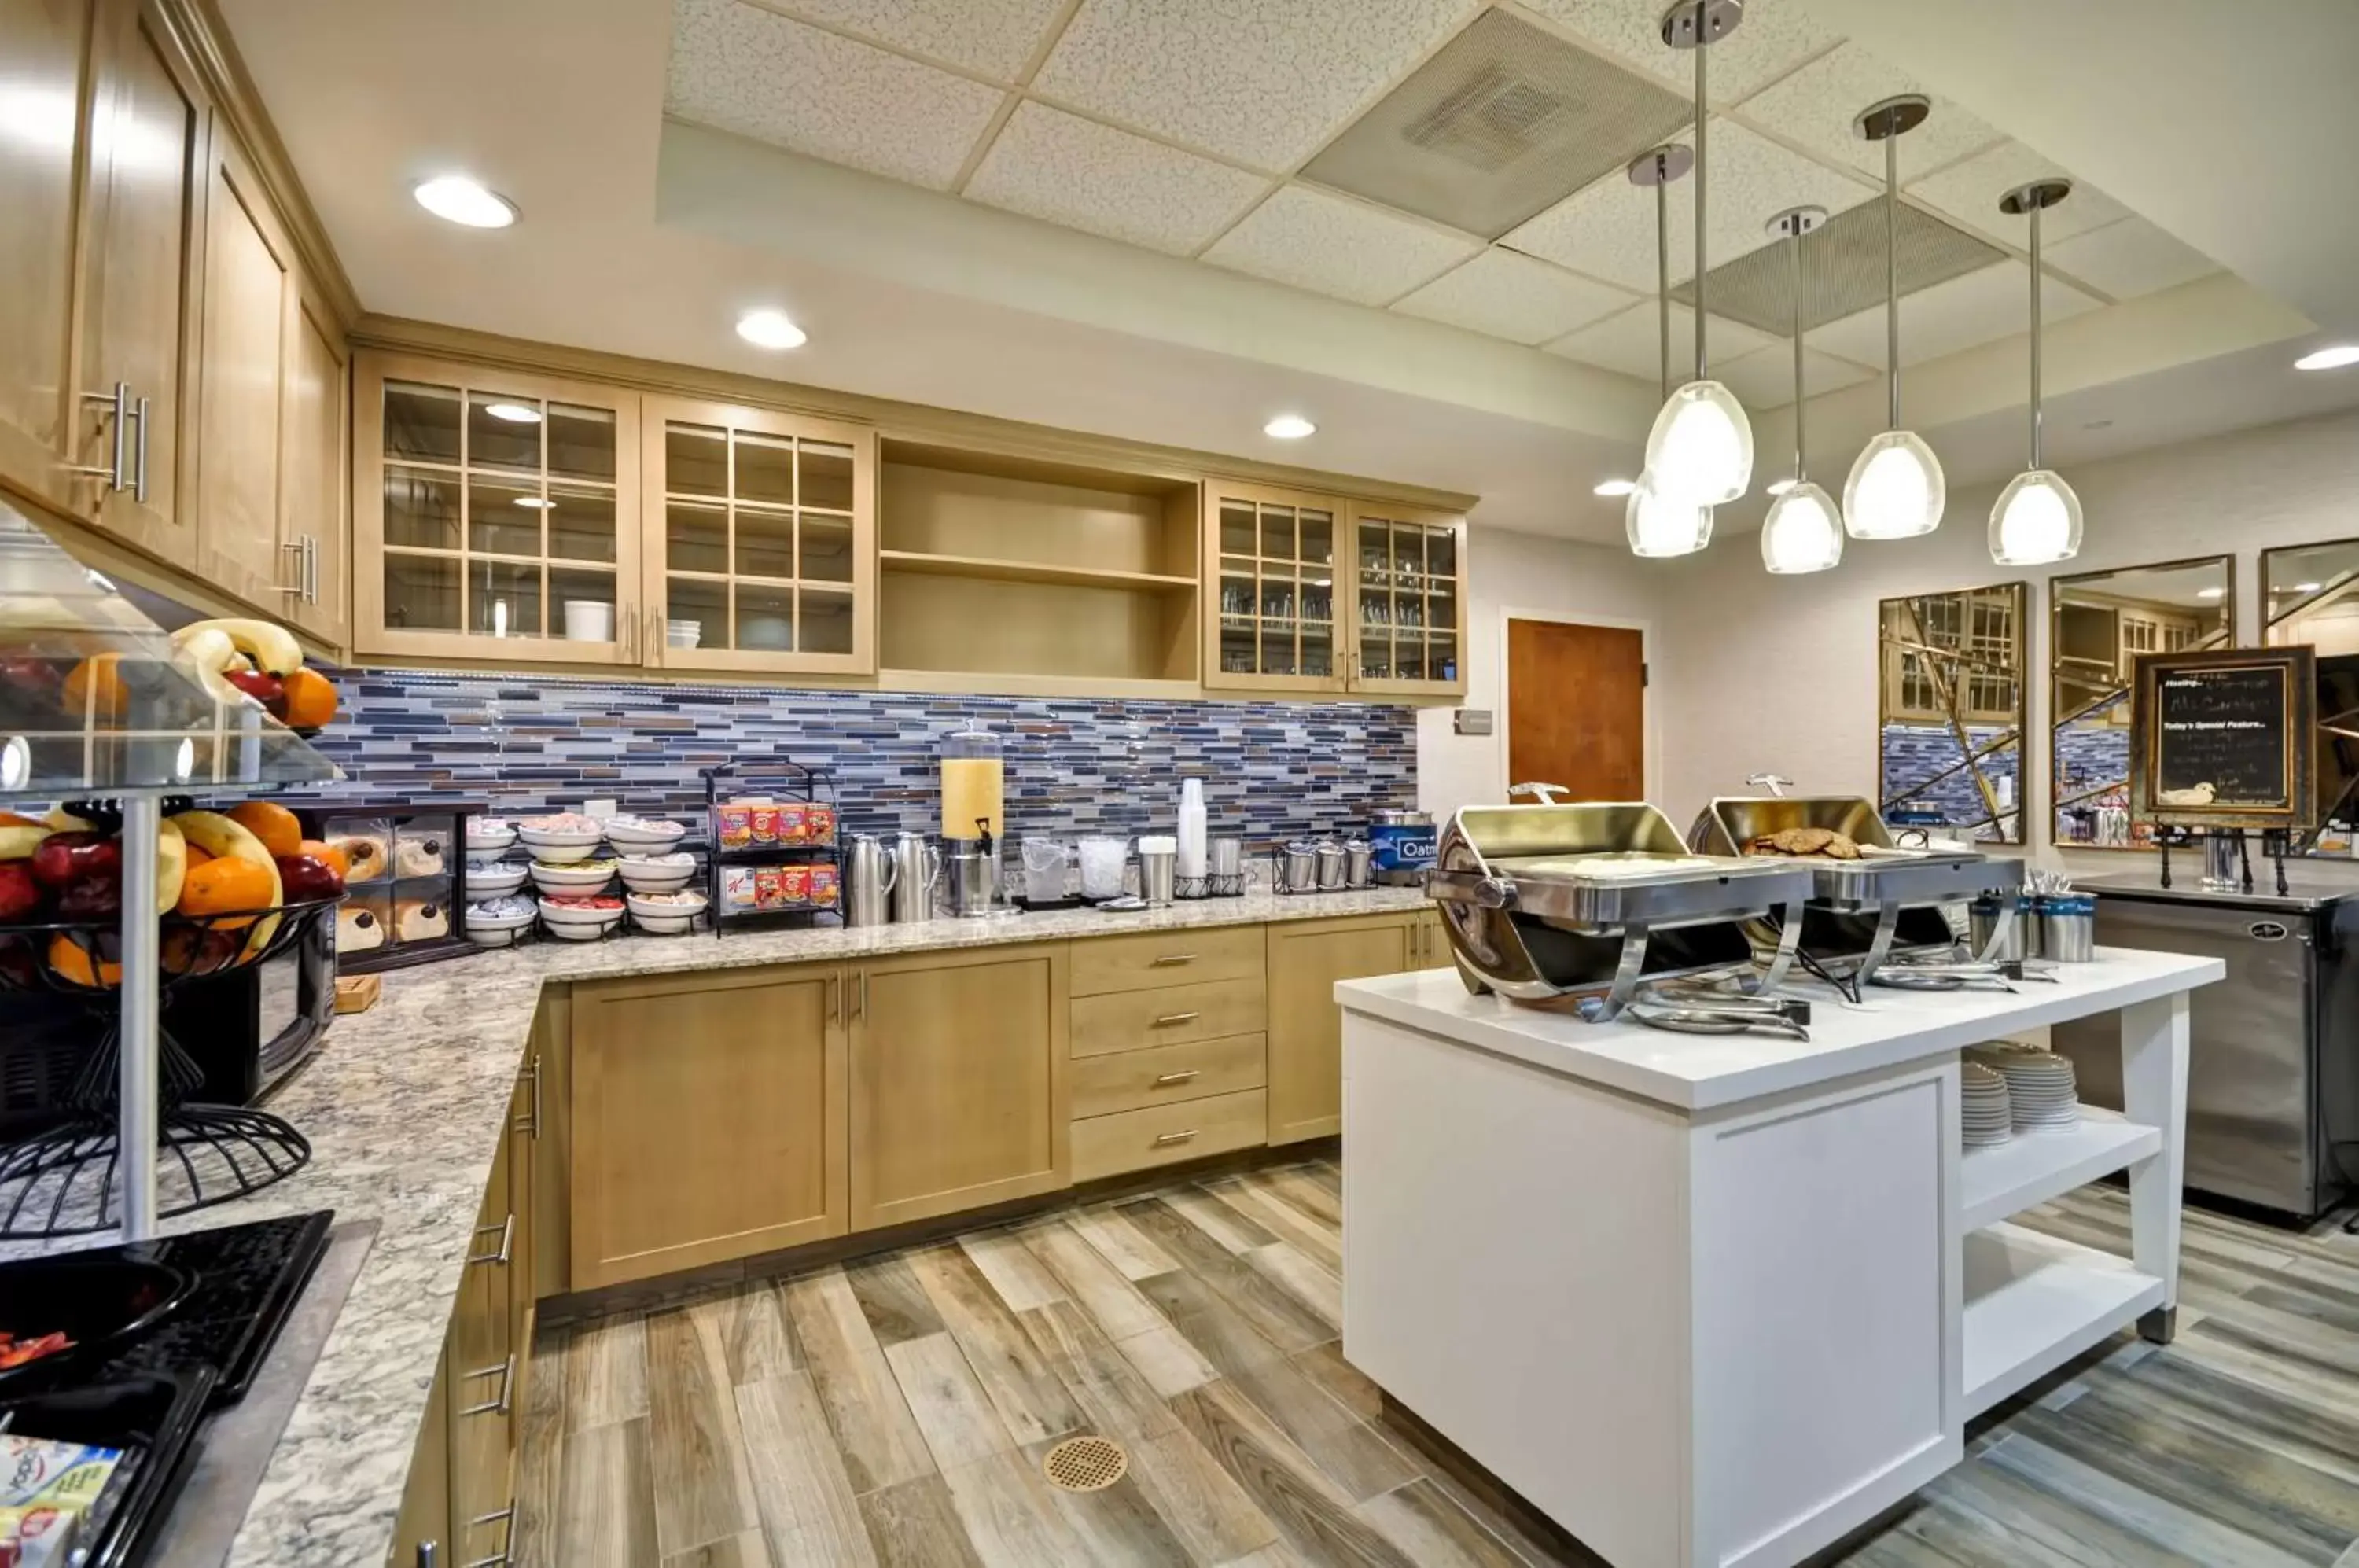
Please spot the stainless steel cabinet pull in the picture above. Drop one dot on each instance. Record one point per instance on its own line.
(1169, 1019)
(626, 635)
(860, 996)
(834, 1000)
(296, 545)
(505, 1372)
(1175, 1078)
(1170, 1139)
(139, 469)
(120, 399)
(311, 569)
(507, 1545)
(531, 1075)
(507, 1229)
(657, 639)
(1168, 959)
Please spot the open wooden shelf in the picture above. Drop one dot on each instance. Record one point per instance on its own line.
(1005, 571)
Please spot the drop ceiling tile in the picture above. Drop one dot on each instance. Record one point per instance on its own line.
(738, 67)
(1814, 108)
(1607, 229)
(1981, 307)
(995, 37)
(1262, 83)
(1776, 36)
(1631, 342)
(1331, 245)
(1764, 379)
(1513, 297)
(1048, 163)
(1970, 193)
(2129, 258)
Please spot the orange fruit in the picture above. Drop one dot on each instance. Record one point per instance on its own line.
(96, 682)
(197, 856)
(11, 820)
(69, 959)
(274, 824)
(309, 699)
(226, 885)
(328, 854)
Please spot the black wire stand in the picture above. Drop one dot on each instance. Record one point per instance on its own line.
(65, 1180)
(812, 787)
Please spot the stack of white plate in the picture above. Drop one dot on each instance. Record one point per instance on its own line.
(1982, 1105)
(2040, 1088)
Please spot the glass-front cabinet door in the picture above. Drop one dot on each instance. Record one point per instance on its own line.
(496, 515)
(761, 541)
(1275, 613)
(1407, 571)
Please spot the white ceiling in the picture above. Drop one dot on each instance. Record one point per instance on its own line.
(1089, 213)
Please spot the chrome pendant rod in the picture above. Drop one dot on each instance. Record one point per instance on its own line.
(137, 1052)
(1892, 281)
(2035, 336)
(1702, 117)
(1794, 243)
(1663, 277)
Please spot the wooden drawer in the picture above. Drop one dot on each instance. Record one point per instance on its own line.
(1168, 1015)
(1166, 958)
(1164, 1135)
(1167, 1074)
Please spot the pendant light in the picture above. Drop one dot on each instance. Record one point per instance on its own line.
(1895, 489)
(2037, 520)
(1700, 448)
(1802, 533)
(1659, 525)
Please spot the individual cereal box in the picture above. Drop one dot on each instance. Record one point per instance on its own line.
(736, 824)
(770, 886)
(740, 887)
(819, 825)
(795, 884)
(764, 821)
(794, 822)
(824, 882)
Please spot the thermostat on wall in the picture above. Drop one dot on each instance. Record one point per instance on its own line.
(1469, 721)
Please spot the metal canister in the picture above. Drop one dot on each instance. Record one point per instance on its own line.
(869, 873)
(1984, 920)
(2068, 928)
(1401, 843)
(1358, 853)
(1299, 863)
(1330, 865)
(917, 867)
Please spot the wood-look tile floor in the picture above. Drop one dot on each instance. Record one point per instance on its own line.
(896, 1411)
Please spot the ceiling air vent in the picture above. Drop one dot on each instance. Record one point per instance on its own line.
(1843, 266)
(1504, 122)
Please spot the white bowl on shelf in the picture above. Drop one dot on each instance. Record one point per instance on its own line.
(560, 847)
(667, 874)
(576, 879)
(489, 835)
(683, 634)
(640, 836)
(493, 881)
(665, 920)
(496, 936)
(577, 924)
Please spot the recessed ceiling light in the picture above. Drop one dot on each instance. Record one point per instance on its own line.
(1288, 426)
(464, 201)
(771, 328)
(2333, 358)
(514, 413)
(536, 503)
(1780, 486)
(2210, 593)
(1615, 488)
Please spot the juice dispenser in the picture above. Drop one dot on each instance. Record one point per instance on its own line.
(973, 818)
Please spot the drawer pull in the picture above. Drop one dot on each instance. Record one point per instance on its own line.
(1167, 1140)
(507, 1229)
(501, 1558)
(1172, 1021)
(1169, 960)
(1170, 1078)
(506, 1373)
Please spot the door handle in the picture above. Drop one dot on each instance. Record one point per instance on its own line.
(834, 999)
(507, 1229)
(505, 1372)
(860, 994)
(139, 469)
(1169, 1139)
(626, 639)
(507, 1544)
(655, 640)
(296, 546)
(1170, 1078)
(1170, 959)
(311, 569)
(120, 399)
(1172, 1021)
(532, 1076)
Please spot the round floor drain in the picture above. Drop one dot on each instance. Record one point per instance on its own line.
(1085, 1464)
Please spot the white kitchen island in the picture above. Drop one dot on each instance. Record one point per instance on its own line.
(1721, 1300)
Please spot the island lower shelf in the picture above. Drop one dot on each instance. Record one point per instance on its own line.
(2034, 1301)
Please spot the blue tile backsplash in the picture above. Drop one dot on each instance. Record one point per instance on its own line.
(529, 743)
(1918, 760)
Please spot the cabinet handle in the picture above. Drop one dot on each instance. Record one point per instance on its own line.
(1169, 1139)
(507, 1229)
(297, 587)
(1170, 959)
(1170, 1078)
(139, 469)
(657, 639)
(121, 400)
(507, 1540)
(834, 999)
(505, 1371)
(531, 1126)
(1170, 1021)
(311, 569)
(627, 641)
(860, 995)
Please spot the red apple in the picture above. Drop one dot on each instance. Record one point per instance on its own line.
(307, 877)
(91, 899)
(20, 894)
(65, 859)
(266, 690)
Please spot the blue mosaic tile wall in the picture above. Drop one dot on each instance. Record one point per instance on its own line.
(1914, 751)
(528, 744)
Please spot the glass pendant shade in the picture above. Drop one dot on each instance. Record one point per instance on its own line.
(1895, 489)
(2037, 520)
(1658, 525)
(1701, 450)
(1800, 534)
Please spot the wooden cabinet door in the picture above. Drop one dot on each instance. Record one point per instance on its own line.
(1407, 570)
(1306, 1027)
(707, 1121)
(240, 406)
(1277, 599)
(959, 1095)
(425, 1518)
(46, 50)
(144, 255)
(312, 482)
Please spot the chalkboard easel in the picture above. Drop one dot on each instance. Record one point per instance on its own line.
(2224, 740)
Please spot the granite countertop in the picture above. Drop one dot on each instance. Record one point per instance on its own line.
(405, 1106)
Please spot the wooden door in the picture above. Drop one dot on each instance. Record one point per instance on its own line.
(1407, 574)
(425, 1518)
(959, 1095)
(46, 56)
(1277, 601)
(761, 536)
(1306, 1027)
(312, 488)
(707, 1119)
(140, 320)
(240, 404)
(1577, 708)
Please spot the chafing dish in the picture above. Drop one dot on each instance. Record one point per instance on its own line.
(1881, 918)
(1585, 903)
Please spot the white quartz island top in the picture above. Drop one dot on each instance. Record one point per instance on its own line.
(1696, 1071)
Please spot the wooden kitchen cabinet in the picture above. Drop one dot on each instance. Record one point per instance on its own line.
(314, 484)
(707, 1119)
(959, 1081)
(1407, 571)
(240, 404)
(1306, 1027)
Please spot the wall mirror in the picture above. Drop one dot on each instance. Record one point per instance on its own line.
(2310, 593)
(1952, 711)
(2098, 623)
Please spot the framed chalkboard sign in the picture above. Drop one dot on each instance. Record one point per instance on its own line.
(2224, 740)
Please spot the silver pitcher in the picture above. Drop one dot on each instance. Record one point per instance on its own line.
(870, 873)
(917, 867)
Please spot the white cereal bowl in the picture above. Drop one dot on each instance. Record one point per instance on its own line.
(643, 875)
(560, 847)
(572, 878)
(493, 881)
(577, 925)
(490, 835)
(578, 933)
(495, 936)
(664, 920)
(643, 837)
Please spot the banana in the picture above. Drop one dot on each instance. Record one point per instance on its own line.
(218, 835)
(18, 839)
(205, 652)
(272, 648)
(171, 865)
(66, 821)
